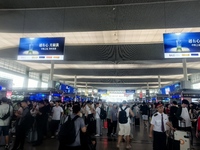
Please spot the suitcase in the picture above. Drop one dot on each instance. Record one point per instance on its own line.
(184, 138)
(137, 121)
(32, 136)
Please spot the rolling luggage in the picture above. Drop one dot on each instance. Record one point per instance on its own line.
(32, 135)
(137, 121)
(179, 140)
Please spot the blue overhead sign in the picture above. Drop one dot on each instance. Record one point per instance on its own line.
(102, 91)
(130, 91)
(41, 48)
(182, 45)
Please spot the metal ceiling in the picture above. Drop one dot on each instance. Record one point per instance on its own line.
(109, 43)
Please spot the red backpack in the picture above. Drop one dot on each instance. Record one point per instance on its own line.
(198, 122)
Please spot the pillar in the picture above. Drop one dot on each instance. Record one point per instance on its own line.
(159, 82)
(185, 70)
(25, 84)
(75, 81)
(40, 81)
(51, 75)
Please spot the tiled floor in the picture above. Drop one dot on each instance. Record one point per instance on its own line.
(140, 142)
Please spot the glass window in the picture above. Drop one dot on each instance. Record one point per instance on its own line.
(32, 83)
(44, 85)
(17, 80)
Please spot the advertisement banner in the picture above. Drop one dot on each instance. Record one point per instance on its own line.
(130, 91)
(41, 48)
(181, 45)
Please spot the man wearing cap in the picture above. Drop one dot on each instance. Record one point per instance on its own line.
(158, 128)
(183, 115)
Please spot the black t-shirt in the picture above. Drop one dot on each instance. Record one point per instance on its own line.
(41, 118)
(144, 109)
(173, 111)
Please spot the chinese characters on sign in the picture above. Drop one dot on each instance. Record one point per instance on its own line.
(46, 46)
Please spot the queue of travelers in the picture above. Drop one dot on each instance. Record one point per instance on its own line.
(33, 121)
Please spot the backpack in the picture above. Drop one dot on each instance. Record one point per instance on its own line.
(198, 123)
(67, 132)
(123, 119)
(103, 114)
(6, 115)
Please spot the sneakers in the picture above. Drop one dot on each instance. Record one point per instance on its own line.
(52, 137)
(128, 146)
(97, 135)
(7, 147)
(117, 145)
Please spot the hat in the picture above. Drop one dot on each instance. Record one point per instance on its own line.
(159, 105)
(124, 102)
(185, 102)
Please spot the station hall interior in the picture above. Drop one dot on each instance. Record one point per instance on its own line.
(113, 50)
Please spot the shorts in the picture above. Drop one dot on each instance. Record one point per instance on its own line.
(124, 129)
(145, 117)
(4, 130)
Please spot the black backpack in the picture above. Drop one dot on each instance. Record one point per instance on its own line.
(67, 134)
(103, 114)
(123, 119)
(6, 115)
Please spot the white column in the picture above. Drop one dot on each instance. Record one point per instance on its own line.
(40, 81)
(147, 85)
(185, 70)
(75, 81)
(86, 88)
(25, 85)
(159, 81)
(51, 75)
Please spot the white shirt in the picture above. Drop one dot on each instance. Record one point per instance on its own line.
(127, 112)
(98, 111)
(56, 112)
(157, 121)
(88, 110)
(4, 110)
(186, 117)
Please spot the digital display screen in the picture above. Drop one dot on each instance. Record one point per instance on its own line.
(38, 97)
(170, 88)
(41, 48)
(181, 45)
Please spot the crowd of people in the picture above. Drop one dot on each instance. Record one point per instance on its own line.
(34, 121)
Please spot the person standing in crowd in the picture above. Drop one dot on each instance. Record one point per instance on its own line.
(109, 109)
(47, 113)
(79, 127)
(98, 121)
(158, 128)
(23, 125)
(41, 124)
(144, 110)
(114, 120)
(172, 114)
(198, 127)
(5, 110)
(57, 112)
(89, 112)
(183, 116)
(124, 124)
